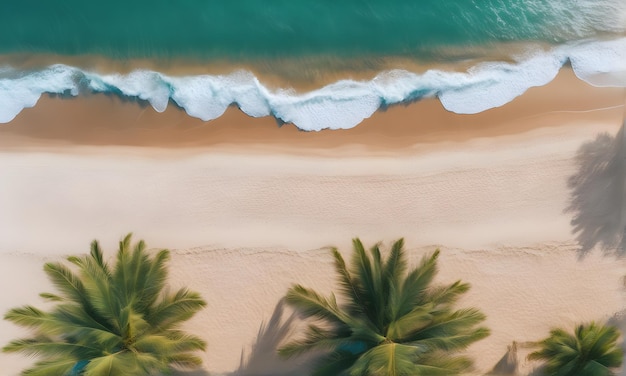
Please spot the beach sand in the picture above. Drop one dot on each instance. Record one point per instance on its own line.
(247, 205)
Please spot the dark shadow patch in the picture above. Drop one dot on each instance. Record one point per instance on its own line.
(198, 372)
(507, 365)
(539, 371)
(263, 359)
(597, 195)
(619, 320)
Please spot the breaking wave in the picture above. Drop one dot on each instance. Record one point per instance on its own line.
(341, 105)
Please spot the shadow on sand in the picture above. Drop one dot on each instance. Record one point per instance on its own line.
(597, 195)
(199, 372)
(263, 359)
(507, 365)
(619, 320)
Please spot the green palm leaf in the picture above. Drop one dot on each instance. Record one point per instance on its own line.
(121, 363)
(366, 280)
(348, 285)
(391, 322)
(67, 282)
(183, 360)
(591, 350)
(393, 359)
(46, 346)
(416, 284)
(110, 320)
(335, 363)
(176, 308)
(62, 366)
(28, 317)
(153, 282)
(102, 302)
(311, 304)
(404, 328)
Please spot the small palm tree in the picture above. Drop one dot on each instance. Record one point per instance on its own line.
(591, 351)
(391, 322)
(108, 320)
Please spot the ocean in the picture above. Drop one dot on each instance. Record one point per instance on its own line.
(546, 35)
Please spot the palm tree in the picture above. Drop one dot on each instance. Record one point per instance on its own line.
(391, 322)
(110, 320)
(591, 351)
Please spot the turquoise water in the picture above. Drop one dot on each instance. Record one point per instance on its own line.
(248, 29)
(586, 34)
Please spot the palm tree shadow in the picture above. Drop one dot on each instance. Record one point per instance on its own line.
(597, 195)
(508, 364)
(198, 372)
(263, 359)
(619, 320)
(539, 371)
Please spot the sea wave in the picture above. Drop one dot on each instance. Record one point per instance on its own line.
(341, 105)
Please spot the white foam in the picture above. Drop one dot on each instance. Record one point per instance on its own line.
(207, 97)
(145, 85)
(19, 91)
(341, 105)
(495, 84)
(592, 61)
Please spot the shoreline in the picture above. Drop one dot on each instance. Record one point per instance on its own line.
(301, 73)
(106, 120)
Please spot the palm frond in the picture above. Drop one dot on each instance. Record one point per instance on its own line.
(71, 320)
(171, 343)
(98, 325)
(395, 267)
(122, 271)
(416, 283)
(312, 305)
(51, 297)
(121, 363)
(392, 359)
(393, 272)
(28, 317)
(153, 281)
(66, 281)
(452, 342)
(334, 363)
(591, 350)
(185, 360)
(134, 325)
(137, 266)
(379, 294)
(97, 255)
(435, 361)
(391, 323)
(175, 309)
(100, 291)
(348, 285)
(447, 294)
(316, 338)
(602, 345)
(593, 368)
(405, 327)
(48, 347)
(61, 366)
(367, 281)
(459, 322)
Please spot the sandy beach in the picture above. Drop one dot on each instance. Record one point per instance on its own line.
(247, 207)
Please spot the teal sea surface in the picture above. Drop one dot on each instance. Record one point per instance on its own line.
(589, 35)
(246, 29)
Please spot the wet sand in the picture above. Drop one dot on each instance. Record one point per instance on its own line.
(108, 120)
